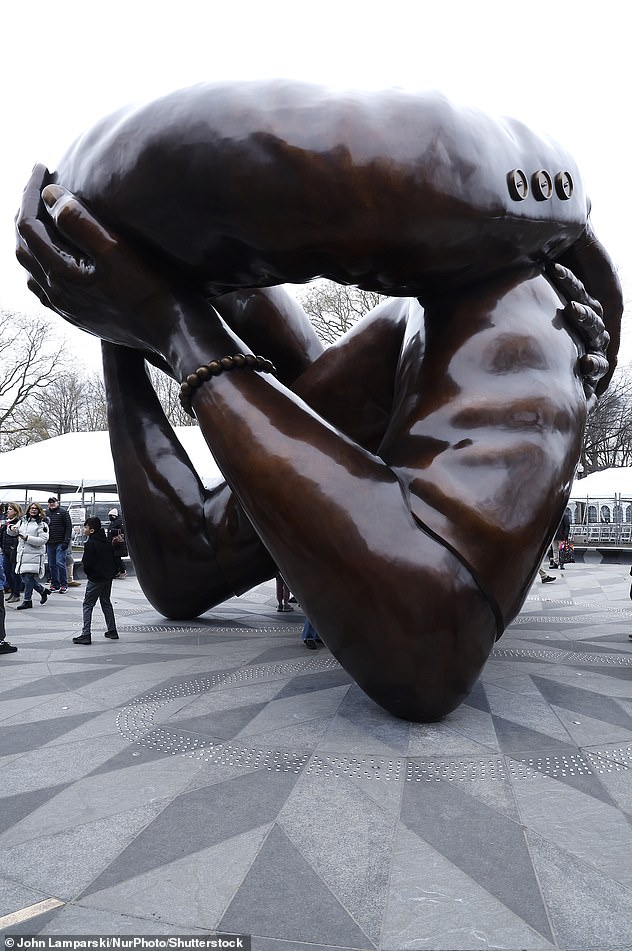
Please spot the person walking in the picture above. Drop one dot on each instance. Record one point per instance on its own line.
(116, 537)
(309, 636)
(5, 647)
(561, 538)
(32, 534)
(100, 567)
(283, 593)
(9, 549)
(59, 535)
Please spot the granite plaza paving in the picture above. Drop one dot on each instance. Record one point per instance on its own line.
(213, 775)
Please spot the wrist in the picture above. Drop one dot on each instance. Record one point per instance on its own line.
(199, 335)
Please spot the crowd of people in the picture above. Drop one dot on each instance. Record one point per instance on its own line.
(35, 543)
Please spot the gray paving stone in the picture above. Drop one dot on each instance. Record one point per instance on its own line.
(324, 818)
(186, 827)
(435, 905)
(588, 909)
(16, 895)
(594, 832)
(49, 863)
(283, 897)
(14, 808)
(480, 841)
(53, 765)
(32, 734)
(361, 712)
(103, 795)
(189, 892)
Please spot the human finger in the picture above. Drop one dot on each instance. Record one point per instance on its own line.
(593, 366)
(572, 288)
(588, 321)
(73, 220)
(38, 245)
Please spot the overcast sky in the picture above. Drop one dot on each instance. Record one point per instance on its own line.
(561, 67)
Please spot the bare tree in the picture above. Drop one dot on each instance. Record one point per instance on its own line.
(167, 392)
(28, 364)
(334, 308)
(608, 436)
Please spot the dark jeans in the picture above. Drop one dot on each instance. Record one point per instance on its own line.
(308, 633)
(13, 579)
(57, 566)
(2, 614)
(31, 580)
(98, 591)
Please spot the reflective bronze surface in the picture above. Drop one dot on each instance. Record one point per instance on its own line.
(407, 480)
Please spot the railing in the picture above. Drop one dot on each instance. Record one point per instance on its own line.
(602, 533)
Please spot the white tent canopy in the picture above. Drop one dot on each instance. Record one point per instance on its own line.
(605, 484)
(80, 462)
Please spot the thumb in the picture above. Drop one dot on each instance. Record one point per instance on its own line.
(75, 222)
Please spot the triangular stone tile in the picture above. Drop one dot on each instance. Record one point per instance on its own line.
(439, 739)
(583, 701)
(588, 910)
(183, 828)
(283, 897)
(35, 734)
(360, 711)
(284, 652)
(477, 698)
(16, 807)
(324, 818)
(53, 684)
(570, 768)
(434, 903)
(482, 842)
(592, 830)
(514, 738)
(318, 680)
(192, 891)
(49, 863)
(279, 714)
(222, 725)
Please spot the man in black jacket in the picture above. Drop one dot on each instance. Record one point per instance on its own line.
(100, 568)
(59, 535)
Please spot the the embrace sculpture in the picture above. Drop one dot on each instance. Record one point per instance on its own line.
(406, 480)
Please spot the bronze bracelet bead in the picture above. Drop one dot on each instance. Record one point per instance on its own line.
(240, 360)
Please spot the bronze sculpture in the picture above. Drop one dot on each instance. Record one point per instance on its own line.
(422, 463)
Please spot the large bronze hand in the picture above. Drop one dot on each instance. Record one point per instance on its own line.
(90, 276)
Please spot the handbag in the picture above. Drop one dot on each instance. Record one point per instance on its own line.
(567, 553)
(118, 539)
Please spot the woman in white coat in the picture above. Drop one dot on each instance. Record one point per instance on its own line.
(32, 532)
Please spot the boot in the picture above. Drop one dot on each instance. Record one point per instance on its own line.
(14, 597)
(24, 606)
(113, 635)
(44, 596)
(82, 639)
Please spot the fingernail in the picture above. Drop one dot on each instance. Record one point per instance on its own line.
(559, 269)
(51, 194)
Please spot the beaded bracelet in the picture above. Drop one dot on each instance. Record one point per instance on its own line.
(240, 361)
